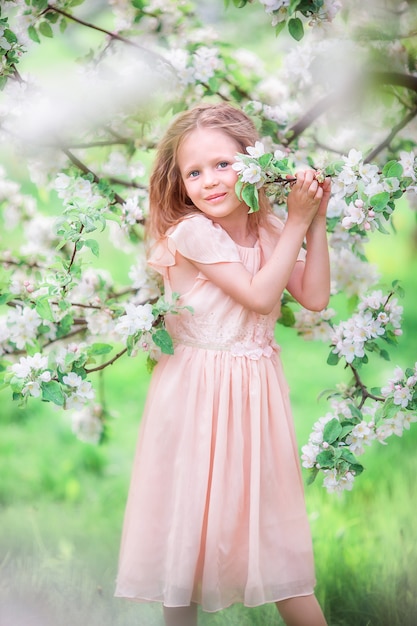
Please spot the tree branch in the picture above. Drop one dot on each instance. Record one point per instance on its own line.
(386, 142)
(369, 79)
(112, 35)
(363, 389)
(86, 170)
(74, 252)
(107, 363)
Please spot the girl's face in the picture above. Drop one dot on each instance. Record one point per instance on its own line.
(205, 161)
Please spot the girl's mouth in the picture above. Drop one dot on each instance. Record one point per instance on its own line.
(215, 196)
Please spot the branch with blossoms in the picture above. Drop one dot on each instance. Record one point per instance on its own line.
(341, 435)
(60, 374)
(366, 195)
(296, 13)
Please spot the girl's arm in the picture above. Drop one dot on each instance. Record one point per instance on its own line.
(310, 281)
(263, 291)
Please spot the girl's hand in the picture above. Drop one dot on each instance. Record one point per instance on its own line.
(305, 197)
(326, 185)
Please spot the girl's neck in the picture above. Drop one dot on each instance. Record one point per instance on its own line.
(240, 231)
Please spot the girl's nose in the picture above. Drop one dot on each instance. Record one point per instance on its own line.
(210, 179)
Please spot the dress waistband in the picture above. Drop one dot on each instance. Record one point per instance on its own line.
(238, 349)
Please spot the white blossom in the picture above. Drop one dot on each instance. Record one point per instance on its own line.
(86, 423)
(257, 150)
(335, 483)
(137, 318)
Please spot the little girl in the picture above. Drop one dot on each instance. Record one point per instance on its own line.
(216, 511)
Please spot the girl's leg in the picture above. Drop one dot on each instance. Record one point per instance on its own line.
(181, 615)
(301, 611)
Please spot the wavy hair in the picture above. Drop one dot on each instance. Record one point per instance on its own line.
(168, 200)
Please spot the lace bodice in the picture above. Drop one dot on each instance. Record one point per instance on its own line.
(216, 321)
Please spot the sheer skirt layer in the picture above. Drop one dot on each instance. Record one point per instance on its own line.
(216, 512)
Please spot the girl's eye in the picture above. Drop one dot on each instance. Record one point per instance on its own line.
(193, 174)
(223, 164)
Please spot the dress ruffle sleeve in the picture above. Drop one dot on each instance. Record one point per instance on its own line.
(196, 238)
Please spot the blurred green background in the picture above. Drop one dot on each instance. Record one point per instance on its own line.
(62, 501)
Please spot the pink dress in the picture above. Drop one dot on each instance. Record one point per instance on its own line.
(216, 511)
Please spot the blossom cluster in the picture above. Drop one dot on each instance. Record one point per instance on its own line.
(197, 66)
(280, 10)
(314, 325)
(259, 168)
(364, 195)
(378, 317)
(338, 438)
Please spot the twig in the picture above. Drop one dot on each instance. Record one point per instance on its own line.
(103, 365)
(112, 35)
(74, 252)
(386, 142)
(83, 167)
(364, 390)
(399, 79)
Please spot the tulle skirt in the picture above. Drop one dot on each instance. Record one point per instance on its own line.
(216, 512)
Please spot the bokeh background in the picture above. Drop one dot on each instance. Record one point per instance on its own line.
(62, 501)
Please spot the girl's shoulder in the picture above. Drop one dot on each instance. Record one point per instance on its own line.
(196, 238)
(192, 221)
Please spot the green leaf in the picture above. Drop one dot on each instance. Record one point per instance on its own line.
(265, 160)
(392, 169)
(385, 355)
(380, 200)
(238, 189)
(348, 456)
(312, 475)
(93, 245)
(390, 409)
(250, 197)
(63, 25)
(40, 4)
(45, 29)
(64, 325)
(332, 430)
(357, 468)
(163, 340)
(333, 358)
(278, 28)
(33, 34)
(357, 413)
(10, 36)
(296, 28)
(326, 459)
(6, 297)
(44, 310)
(99, 348)
(346, 429)
(293, 5)
(52, 392)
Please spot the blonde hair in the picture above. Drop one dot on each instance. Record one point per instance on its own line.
(168, 200)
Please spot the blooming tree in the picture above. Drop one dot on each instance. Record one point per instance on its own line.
(341, 99)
